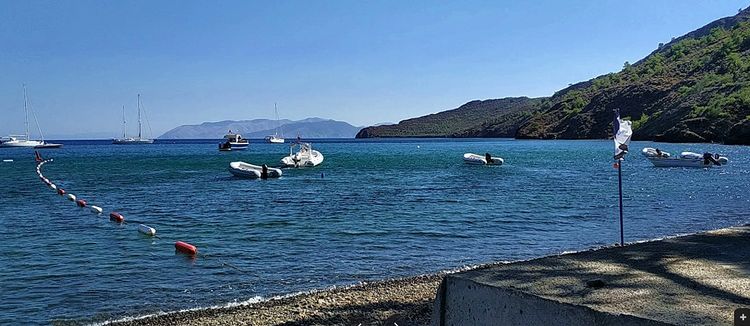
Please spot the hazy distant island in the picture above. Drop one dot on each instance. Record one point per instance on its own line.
(695, 88)
(260, 128)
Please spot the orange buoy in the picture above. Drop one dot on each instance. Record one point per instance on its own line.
(117, 217)
(185, 248)
(81, 203)
(60, 191)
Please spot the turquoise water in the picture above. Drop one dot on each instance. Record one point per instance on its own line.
(373, 210)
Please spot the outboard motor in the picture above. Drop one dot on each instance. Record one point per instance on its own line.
(708, 158)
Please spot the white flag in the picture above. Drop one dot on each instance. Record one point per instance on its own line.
(622, 133)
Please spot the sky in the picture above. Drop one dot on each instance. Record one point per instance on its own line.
(363, 62)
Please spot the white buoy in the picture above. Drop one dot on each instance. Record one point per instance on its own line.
(52, 186)
(95, 209)
(147, 230)
(71, 197)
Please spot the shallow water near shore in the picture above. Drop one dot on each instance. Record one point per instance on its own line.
(375, 209)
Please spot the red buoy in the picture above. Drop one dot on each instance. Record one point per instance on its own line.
(60, 191)
(185, 248)
(117, 217)
(81, 203)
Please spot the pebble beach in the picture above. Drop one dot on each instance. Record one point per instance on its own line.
(406, 301)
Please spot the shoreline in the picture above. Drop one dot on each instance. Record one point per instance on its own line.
(406, 301)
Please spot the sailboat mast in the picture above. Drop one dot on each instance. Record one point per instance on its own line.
(278, 123)
(26, 111)
(139, 116)
(124, 124)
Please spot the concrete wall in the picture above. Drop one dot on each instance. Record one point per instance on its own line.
(461, 301)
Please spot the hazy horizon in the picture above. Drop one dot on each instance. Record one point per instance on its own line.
(362, 63)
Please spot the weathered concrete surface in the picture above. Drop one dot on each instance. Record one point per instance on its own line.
(691, 280)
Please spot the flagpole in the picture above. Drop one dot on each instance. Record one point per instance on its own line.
(619, 178)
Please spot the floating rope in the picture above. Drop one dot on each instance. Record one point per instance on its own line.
(180, 246)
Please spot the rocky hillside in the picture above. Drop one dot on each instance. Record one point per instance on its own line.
(695, 88)
(489, 118)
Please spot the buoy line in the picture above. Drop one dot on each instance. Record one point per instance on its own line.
(180, 246)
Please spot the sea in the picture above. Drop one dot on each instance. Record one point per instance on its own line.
(373, 210)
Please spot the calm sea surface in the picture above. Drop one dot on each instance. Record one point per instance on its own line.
(373, 210)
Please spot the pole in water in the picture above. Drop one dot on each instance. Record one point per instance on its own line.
(619, 178)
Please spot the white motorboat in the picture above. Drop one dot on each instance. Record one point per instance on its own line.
(247, 170)
(233, 142)
(275, 138)
(471, 158)
(305, 157)
(25, 139)
(686, 159)
(125, 140)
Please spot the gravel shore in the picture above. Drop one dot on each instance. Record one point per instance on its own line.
(406, 301)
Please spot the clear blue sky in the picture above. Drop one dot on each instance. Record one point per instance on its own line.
(363, 62)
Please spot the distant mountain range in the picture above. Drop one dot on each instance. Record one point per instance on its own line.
(695, 88)
(260, 128)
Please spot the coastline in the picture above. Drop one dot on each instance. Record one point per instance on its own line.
(407, 301)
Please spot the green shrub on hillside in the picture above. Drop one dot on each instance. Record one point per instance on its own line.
(637, 124)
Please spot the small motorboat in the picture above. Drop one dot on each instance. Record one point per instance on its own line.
(247, 170)
(305, 157)
(686, 159)
(475, 159)
(234, 142)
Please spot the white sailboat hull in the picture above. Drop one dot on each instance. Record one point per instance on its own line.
(21, 143)
(132, 141)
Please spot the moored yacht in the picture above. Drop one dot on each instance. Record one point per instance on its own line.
(275, 138)
(25, 139)
(125, 140)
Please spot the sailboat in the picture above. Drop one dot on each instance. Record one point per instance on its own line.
(25, 139)
(125, 140)
(275, 138)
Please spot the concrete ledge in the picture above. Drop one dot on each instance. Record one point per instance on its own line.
(690, 280)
